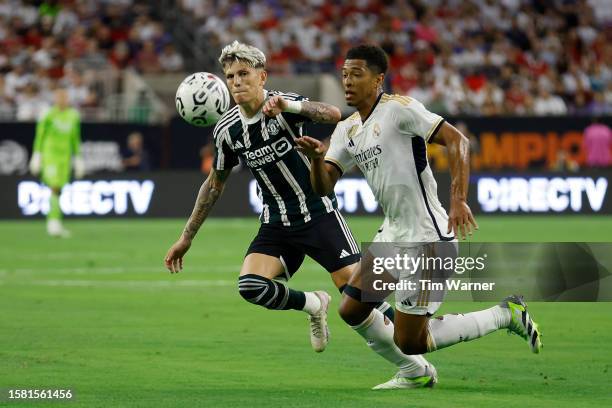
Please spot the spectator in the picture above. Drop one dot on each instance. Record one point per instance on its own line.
(6, 106)
(79, 94)
(120, 55)
(46, 43)
(135, 156)
(147, 59)
(29, 106)
(170, 60)
(564, 162)
(597, 143)
(575, 80)
(16, 80)
(478, 41)
(598, 105)
(424, 90)
(548, 104)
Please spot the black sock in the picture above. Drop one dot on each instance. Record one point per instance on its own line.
(270, 294)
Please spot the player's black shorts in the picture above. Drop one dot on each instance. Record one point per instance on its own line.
(327, 239)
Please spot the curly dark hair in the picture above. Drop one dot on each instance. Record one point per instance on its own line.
(374, 56)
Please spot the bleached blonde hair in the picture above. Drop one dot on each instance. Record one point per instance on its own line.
(248, 54)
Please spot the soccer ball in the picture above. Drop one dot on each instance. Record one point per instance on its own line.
(202, 98)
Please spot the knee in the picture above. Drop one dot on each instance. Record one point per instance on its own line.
(253, 288)
(410, 345)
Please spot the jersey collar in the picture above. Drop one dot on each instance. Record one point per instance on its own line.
(257, 117)
(373, 107)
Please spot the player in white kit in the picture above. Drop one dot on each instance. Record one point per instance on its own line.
(386, 139)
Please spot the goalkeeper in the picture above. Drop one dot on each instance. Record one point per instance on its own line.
(58, 140)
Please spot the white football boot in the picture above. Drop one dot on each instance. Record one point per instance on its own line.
(400, 382)
(56, 229)
(319, 331)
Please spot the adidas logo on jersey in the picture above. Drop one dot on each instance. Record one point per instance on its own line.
(344, 254)
(238, 145)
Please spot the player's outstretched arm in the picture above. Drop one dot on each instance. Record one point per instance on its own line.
(460, 218)
(209, 193)
(323, 176)
(316, 111)
(36, 159)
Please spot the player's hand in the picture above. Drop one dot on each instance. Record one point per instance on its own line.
(460, 219)
(174, 257)
(311, 147)
(35, 163)
(274, 105)
(79, 167)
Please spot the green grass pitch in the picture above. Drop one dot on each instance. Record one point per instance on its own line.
(99, 314)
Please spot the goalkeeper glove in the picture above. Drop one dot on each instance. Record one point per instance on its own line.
(79, 167)
(35, 163)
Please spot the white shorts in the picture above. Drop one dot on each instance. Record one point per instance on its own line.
(419, 297)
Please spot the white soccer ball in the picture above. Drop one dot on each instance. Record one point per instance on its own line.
(202, 98)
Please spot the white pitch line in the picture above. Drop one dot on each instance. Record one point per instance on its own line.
(103, 270)
(131, 283)
(71, 255)
(135, 284)
(109, 270)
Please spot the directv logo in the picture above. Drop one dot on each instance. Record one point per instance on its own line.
(88, 197)
(541, 194)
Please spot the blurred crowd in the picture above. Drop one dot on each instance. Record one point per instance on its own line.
(483, 57)
(78, 44)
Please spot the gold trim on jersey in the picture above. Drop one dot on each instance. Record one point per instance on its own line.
(353, 128)
(432, 129)
(336, 162)
(351, 132)
(401, 99)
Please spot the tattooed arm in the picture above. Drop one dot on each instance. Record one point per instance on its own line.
(315, 111)
(209, 192)
(320, 112)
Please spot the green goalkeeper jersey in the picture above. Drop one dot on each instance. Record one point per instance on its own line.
(58, 135)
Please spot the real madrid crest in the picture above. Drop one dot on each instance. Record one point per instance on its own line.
(273, 127)
(376, 130)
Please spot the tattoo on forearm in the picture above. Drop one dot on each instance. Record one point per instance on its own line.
(320, 112)
(209, 192)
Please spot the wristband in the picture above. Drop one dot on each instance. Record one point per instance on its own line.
(294, 107)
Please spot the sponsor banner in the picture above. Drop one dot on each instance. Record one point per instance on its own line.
(107, 195)
(156, 194)
(102, 145)
(498, 143)
(87, 197)
(584, 193)
(172, 194)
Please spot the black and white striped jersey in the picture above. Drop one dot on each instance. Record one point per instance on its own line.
(266, 145)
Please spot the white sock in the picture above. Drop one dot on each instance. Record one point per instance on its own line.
(378, 333)
(313, 303)
(54, 226)
(454, 328)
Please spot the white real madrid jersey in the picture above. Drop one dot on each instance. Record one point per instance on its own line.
(389, 148)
